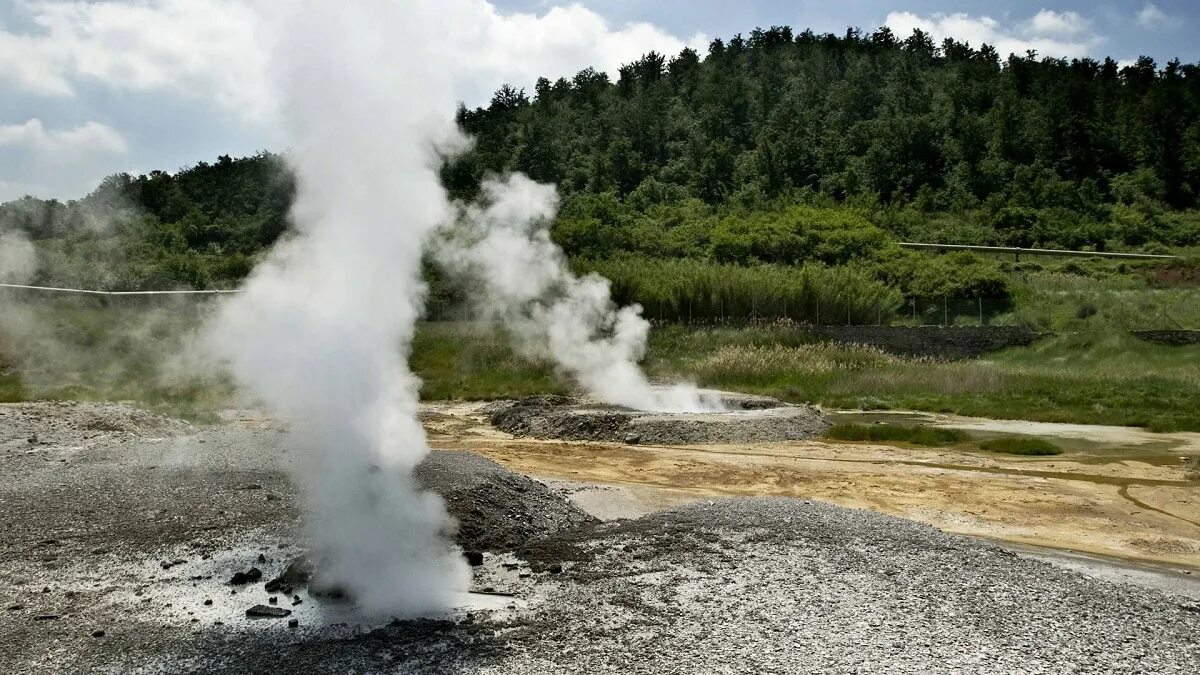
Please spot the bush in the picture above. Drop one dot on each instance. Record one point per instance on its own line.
(886, 433)
(1021, 446)
(798, 234)
(695, 290)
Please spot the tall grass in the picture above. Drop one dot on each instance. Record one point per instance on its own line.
(696, 290)
(1088, 378)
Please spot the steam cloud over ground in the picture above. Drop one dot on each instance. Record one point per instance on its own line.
(523, 281)
(323, 328)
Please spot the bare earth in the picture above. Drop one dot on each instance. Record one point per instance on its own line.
(126, 532)
(1136, 502)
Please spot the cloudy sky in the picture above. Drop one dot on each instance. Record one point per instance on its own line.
(89, 88)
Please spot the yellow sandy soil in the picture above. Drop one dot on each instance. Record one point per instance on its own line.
(1144, 510)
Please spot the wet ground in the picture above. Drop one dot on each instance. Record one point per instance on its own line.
(1116, 492)
(121, 526)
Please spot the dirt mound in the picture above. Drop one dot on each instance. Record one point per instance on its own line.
(752, 419)
(496, 509)
(72, 422)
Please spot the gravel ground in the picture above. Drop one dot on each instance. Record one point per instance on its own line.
(750, 419)
(128, 533)
(496, 509)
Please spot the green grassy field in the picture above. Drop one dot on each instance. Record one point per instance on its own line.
(1098, 377)
(1092, 378)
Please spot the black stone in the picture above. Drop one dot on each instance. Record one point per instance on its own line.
(267, 612)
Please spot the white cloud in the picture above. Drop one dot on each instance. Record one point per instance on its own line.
(215, 54)
(206, 49)
(88, 138)
(1050, 22)
(218, 49)
(1049, 33)
(1152, 17)
(558, 43)
(56, 162)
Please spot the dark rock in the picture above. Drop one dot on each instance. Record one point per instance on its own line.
(556, 568)
(16, 607)
(46, 617)
(252, 486)
(297, 573)
(97, 633)
(273, 600)
(208, 602)
(474, 558)
(271, 497)
(267, 612)
(632, 439)
(249, 576)
(292, 623)
(262, 557)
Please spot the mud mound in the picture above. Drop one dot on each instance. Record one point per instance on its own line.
(751, 419)
(44, 422)
(496, 509)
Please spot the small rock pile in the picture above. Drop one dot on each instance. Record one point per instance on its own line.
(496, 510)
(750, 419)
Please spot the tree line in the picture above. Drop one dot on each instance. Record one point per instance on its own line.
(773, 150)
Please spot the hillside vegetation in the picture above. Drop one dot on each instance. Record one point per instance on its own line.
(773, 175)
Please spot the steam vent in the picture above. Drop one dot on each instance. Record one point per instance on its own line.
(747, 419)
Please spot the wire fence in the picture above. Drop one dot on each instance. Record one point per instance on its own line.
(1132, 310)
(1103, 310)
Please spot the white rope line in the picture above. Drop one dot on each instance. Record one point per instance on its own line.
(110, 293)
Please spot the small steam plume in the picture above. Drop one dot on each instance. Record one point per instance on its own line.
(503, 246)
(323, 327)
(18, 257)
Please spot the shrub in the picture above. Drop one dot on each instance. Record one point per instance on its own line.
(1021, 446)
(887, 433)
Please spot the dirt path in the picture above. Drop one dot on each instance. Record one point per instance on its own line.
(1135, 502)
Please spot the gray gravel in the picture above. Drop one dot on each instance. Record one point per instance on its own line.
(123, 542)
(495, 509)
(751, 419)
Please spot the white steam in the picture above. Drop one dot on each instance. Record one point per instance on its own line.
(523, 281)
(18, 257)
(324, 326)
(322, 329)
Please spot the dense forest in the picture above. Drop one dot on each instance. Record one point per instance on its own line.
(770, 151)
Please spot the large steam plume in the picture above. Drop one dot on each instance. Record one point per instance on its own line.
(323, 327)
(523, 281)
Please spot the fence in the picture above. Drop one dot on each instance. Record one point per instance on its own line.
(1145, 310)
(1064, 311)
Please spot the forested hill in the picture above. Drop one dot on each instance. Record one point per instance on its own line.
(1031, 150)
(772, 148)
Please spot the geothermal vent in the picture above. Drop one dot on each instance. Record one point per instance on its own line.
(746, 419)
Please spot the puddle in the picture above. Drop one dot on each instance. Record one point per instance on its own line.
(1094, 444)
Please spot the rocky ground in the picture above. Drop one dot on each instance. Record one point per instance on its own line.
(749, 419)
(123, 539)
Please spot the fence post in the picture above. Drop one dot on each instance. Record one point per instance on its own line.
(689, 310)
(980, 298)
(914, 301)
(945, 311)
(818, 311)
(878, 315)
